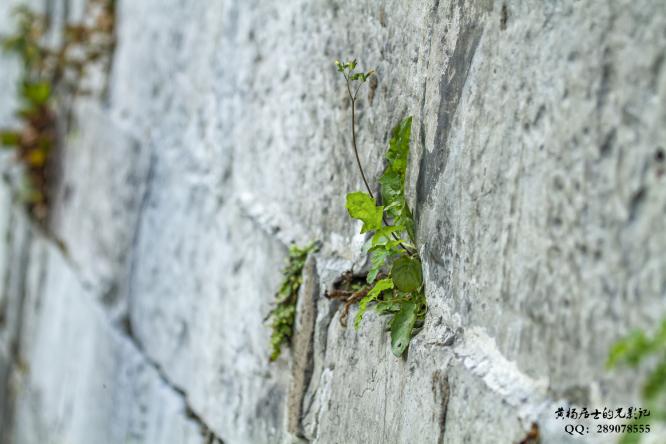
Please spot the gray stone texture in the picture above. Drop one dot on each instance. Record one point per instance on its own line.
(537, 176)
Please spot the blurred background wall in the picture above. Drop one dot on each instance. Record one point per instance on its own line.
(220, 134)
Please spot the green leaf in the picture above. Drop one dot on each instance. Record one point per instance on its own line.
(383, 236)
(406, 274)
(10, 138)
(377, 260)
(398, 151)
(381, 286)
(392, 186)
(406, 220)
(630, 350)
(37, 93)
(283, 316)
(393, 179)
(11, 43)
(402, 325)
(362, 207)
(635, 438)
(656, 382)
(384, 307)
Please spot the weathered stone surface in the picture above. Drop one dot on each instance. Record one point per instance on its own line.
(537, 178)
(15, 238)
(96, 206)
(78, 379)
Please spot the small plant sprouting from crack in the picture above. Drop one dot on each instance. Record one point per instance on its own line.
(283, 316)
(47, 70)
(632, 351)
(395, 279)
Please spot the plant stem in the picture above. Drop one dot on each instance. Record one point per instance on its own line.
(358, 160)
(353, 124)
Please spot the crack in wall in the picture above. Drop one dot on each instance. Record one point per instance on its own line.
(124, 327)
(206, 431)
(132, 259)
(15, 286)
(17, 278)
(302, 349)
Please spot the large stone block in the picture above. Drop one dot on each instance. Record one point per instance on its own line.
(536, 175)
(78, 379)
(103, 173)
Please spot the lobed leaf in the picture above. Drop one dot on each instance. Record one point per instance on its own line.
(393, 179)
(362, 207)
(398, 151)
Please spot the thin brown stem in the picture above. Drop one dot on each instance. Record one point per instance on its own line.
(358, 160)
(352, 97)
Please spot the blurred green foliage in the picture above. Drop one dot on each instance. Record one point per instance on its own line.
(283, 316)
(45, 69)
(637, 349)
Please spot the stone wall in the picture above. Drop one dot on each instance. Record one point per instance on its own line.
(536, 174)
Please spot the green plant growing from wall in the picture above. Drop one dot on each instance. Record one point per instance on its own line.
(283, 316)
(45, 70)
(395, 279)
(633, 351)
(36, 138)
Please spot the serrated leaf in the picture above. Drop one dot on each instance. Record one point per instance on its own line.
(392, 188)
(398, 151)
(402, 325)
(406, 274)
(393, 179)
(362, 207)
(381, 286)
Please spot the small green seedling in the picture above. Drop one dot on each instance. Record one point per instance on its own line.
(283, 316)
(392, 249)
